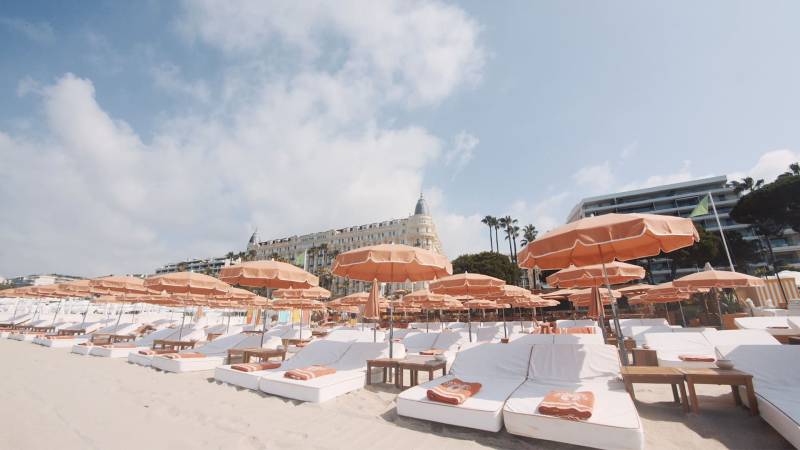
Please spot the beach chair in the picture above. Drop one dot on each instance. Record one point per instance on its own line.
(350, 375)
(671, 347)
(499, 368)
(214, 353)
(774, 325)
(731, 338)
(103, 337)
(140, 352)
(355, 336)
(775, 371)
(71, 335)
(614, 423)
(319, 352)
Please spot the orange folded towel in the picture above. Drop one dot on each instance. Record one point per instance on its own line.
(568, 405)
(147, 352)
(310, 372)
(696, 358)
(431, 352)
(453, 392)
(123, 345)
(577, 330)
(183, 355)
(255, 367)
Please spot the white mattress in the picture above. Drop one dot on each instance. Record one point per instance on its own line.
(764, 323)
(669, 346)
(139, 359)
(500, 368)
(115, 352)
(775, 371)
(187, 365)
(576, 323)
(614, 424)
(740, 337)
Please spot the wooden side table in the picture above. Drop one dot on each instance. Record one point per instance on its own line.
(263, 354)
(656, 375)
(732, 377)
(644, 357)
(415, 364)
(388, 365)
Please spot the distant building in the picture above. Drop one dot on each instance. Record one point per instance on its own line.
(679, 199)
(315, 251)
(41, 280)
(208, 266)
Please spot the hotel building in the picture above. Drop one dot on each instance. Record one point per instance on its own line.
(679, 199)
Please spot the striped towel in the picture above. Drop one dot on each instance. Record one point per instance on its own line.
(255, 367)
(432, 352)
(453, 392)
(310, 372)
(568, 405)
(183, 355)
(696, 358)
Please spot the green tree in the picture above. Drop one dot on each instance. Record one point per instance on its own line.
(746, 185)
(743, 251)
(507, 223)
(529, 233)
(495, 223)
(489, 221)
(488, 263)
(708, 249)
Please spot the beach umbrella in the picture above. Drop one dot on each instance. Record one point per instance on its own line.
(634, 289)
(560, 294)
(303, 304)
(424, 299)
(604, 239)
(268, 274)
(676, 296)
(115, 284)
(391, 263)
(506, 295)
(466, 284)
(712, 279)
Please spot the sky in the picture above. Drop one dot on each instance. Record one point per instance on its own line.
(133, 134)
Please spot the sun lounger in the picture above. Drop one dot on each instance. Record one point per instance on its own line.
(730, 338)
(499, 368)
(140, 352)
(614, 422)
(775, 371)
(355, 336)
(350, 375)
(85, 347)
(215, 353)
(319, 352)
(776, 325)
(68, 340)
(670, 347)
(659, 322)
(576, 323)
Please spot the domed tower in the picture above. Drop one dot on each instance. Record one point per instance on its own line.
(421, 229)
(422, 207)
(253, 242)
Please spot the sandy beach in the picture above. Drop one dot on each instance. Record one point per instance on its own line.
(54, 399)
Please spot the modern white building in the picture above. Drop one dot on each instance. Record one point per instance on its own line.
(209, 266)
(679, 199)
(315, 251)
(41, 279)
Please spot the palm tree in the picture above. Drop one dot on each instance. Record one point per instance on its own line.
(514, 233)
(746, 185)
(495, 223)
(488, 221)
(794, 170)
(508, 224)
(529, 234)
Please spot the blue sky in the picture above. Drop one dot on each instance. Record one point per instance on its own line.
(137, 133)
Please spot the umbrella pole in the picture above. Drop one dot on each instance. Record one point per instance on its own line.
(264, 325)
(427, 322)
(719, 308)
(183, 319)
(683, 318)
(441, 321)
(119, 317)
(505, 329)
(56, 314)
(469, 323)
(15, 312)
(228, 327)
(623, 355)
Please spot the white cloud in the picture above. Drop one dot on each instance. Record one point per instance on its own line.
(417, 52)
(769, 165)
(168, 77)
(39, 32)
(461, 153)
(289, 151)
(597, 178)
(629, 150)
(684, 173)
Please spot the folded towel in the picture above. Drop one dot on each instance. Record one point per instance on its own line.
(255, 367)
(432, 352)
(577, 330)
(310, 372)
(696, 358)
(147, 352)
(453, 392)
(124, 345)
(568, 405)
(183, 355)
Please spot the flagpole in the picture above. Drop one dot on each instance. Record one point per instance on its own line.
(721, 233)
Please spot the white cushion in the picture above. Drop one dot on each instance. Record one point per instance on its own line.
(670, 346)
(740, 337)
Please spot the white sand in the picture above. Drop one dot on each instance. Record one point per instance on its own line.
(51, 399)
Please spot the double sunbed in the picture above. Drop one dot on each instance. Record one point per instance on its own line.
(514, 380)
(687, 349)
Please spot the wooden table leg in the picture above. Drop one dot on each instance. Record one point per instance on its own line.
(684, 400)
(369, 374)
(675, 393)
(398, 380)
(692, 397)
(384, 375)
(737, 399)
(629, 388)
(430, 375)
(751, 397)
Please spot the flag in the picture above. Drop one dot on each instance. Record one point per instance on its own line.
(702, 208)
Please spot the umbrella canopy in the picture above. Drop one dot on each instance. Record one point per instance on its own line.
(481, 303)
(187, 283)
(602, 239)
(589, 276)
(635, 289)
(358, 298)
(669, 288)
(314, 293)
(584, 296)
(298, 303)
(372, 311)
(559, 294)
(466, 284)
(711, 278)
(268, 274)
(77, 288)
(123, 284)
(391, 263)
(425, 296)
